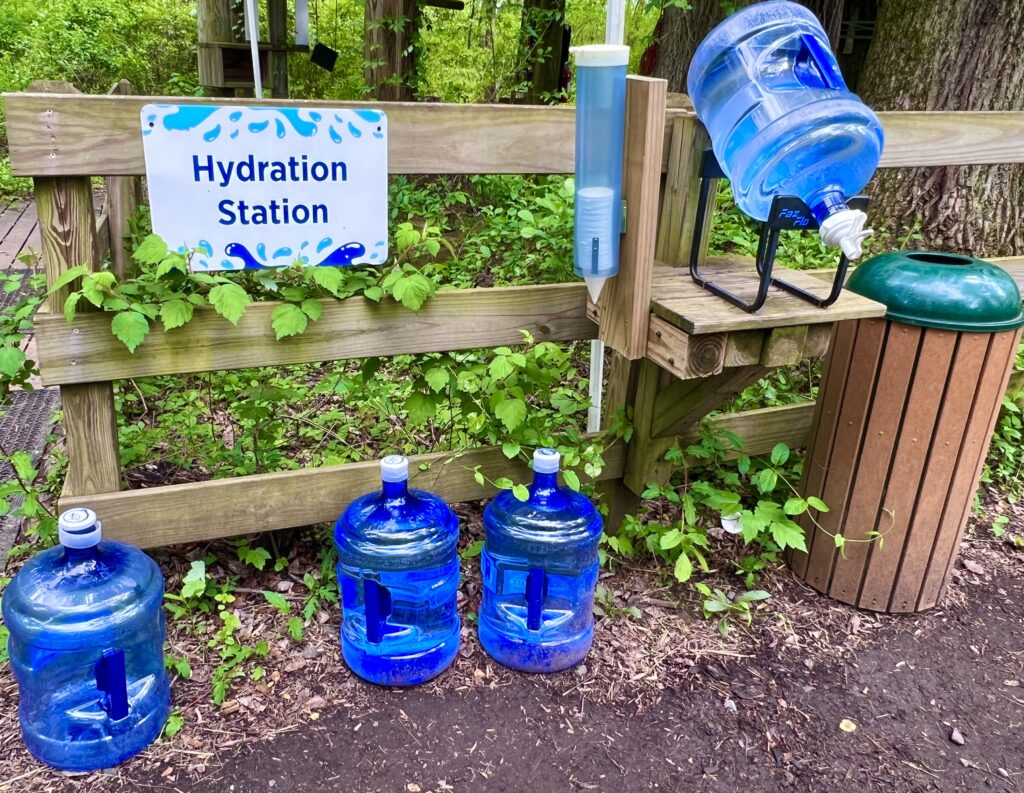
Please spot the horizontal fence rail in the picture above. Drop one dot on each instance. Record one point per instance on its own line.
(87, 351)
(80, 135)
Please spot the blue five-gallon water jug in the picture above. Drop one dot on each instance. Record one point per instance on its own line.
(781, 119)
(539, 565)
(86, 646)
(399, 575)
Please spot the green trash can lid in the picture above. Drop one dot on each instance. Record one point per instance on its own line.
(940, 290)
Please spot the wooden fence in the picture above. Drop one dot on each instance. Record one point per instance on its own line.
(64, 140)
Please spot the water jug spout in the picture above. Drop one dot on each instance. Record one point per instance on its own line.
(845, 230)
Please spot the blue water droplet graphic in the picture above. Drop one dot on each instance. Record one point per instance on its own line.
(236, 115)
(323, 244)
(212, 135)
(372, 116)
(258, 126)
(282, 252)
(334, 134)
(205, 247)
(354, 130)
(281, 131)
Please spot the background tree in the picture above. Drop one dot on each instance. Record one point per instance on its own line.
(389, 48)
(951, 56)
(684, 24)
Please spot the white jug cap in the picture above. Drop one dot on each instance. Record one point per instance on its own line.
(394, 468)
(601, 55)
(79, 528)
(545, 461)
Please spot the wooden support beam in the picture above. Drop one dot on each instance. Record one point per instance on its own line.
(679, 209)
(242, 505)
(686, 402)
(645, 457)
(86, 351)
(214, 23)
(743, 347)
(683, 355)
(67, 230)
(124, 194)
(625, 301)
(277, 30)
(784, 346)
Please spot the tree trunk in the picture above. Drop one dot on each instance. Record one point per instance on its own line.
(950, 56)
(389, 48)
(541, 51)
(679, 32)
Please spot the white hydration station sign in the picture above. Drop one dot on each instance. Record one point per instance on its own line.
(257, 187)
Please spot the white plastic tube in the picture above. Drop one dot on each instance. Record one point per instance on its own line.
(252, 27)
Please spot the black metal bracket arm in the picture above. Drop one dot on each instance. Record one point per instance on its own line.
(787, 212)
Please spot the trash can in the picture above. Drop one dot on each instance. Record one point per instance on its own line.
(905, 412)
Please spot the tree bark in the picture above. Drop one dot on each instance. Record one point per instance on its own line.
(389, 48)
(679, 32)
(950, 56)
(541, 35)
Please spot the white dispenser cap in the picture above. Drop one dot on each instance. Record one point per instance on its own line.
(601, 55)
(845, 229)
(545, 461)
(394, 468)
(79, 528)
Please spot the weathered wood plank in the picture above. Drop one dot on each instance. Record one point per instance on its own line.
(265, 502)
(683, 355)
(914, 139)
(67, 230)
(101, 135)
(354, 328)
(686, 402)
(784, 346)
(679, 207)
(677, 299)
(625, 301)
(645, 457)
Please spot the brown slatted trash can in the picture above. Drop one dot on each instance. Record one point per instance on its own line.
(905, 412)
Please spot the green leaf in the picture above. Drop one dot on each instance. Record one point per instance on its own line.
(437, 378)
(131, 328)
(817, 503)
(684, 568)
(420, 407)
(787, 534)
(501, 367)
(795, 506)
(374, 293)
(413, 291)
(174, 724)
(151, 250)
(277, 601)
(257, 557)
(288, 320)
(194, 582)
(70, 304)
(510, 449)
(406, 236)
(511, 413)
(229, 300)
(328, 278)
(11, 360)
(503, 483)
(472, 550)
(766, 480)
(839, 540)
(521, 492)
(295, 628)
(312, 308)
(571, 479)
(780, 454)
(478, 477)
(753, 596)
(67, 277)
(670, 539)
(175, 313)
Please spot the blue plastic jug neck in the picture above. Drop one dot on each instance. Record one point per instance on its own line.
(543, 484)
(79, 555)
(828, 203)
(394, 490)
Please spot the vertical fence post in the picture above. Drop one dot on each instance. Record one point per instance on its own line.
(67, 229)
(124, 194)
(682, 182)
(625, 302)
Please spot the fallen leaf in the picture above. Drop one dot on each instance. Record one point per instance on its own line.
(974, 567)
(846, 725)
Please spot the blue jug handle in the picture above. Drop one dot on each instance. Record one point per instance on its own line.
(111, 679)
(536, 592)
(377, 600)
(815, 65)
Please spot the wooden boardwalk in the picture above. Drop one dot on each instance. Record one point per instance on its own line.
(19, 233)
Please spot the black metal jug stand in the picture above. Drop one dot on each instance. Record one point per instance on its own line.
(787, 212)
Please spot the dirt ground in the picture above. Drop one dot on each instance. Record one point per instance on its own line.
(662, 703)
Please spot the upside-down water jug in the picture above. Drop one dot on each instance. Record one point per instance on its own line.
(781, 119)
(398, 571)
(86, 644)
(539, 564)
